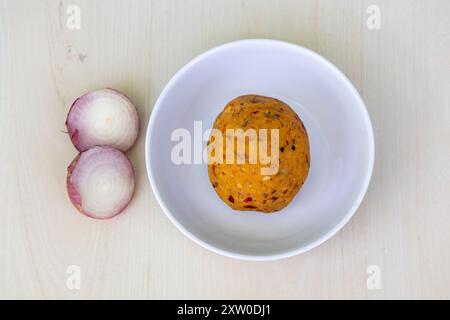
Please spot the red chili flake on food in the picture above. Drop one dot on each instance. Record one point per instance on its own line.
(255, 112)
(250, 207)
(231, 199)
(248, 199)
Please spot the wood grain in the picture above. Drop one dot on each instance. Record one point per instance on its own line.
(402, 71)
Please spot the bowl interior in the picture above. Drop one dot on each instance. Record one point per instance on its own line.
(340, 137)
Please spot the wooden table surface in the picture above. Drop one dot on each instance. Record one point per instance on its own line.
(402, 71)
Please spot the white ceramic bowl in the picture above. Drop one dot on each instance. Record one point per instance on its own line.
(341, 139)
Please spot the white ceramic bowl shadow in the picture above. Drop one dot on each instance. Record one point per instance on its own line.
(341, 139)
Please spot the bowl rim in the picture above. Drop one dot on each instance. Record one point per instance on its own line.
(289, 253)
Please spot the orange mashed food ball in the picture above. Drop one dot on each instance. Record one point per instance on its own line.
(244, 185)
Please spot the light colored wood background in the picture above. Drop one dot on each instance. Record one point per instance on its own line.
(402, 71)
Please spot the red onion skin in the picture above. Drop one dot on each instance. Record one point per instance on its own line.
(74, 195)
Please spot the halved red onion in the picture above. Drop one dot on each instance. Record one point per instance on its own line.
(100, 182)
(103, 117)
